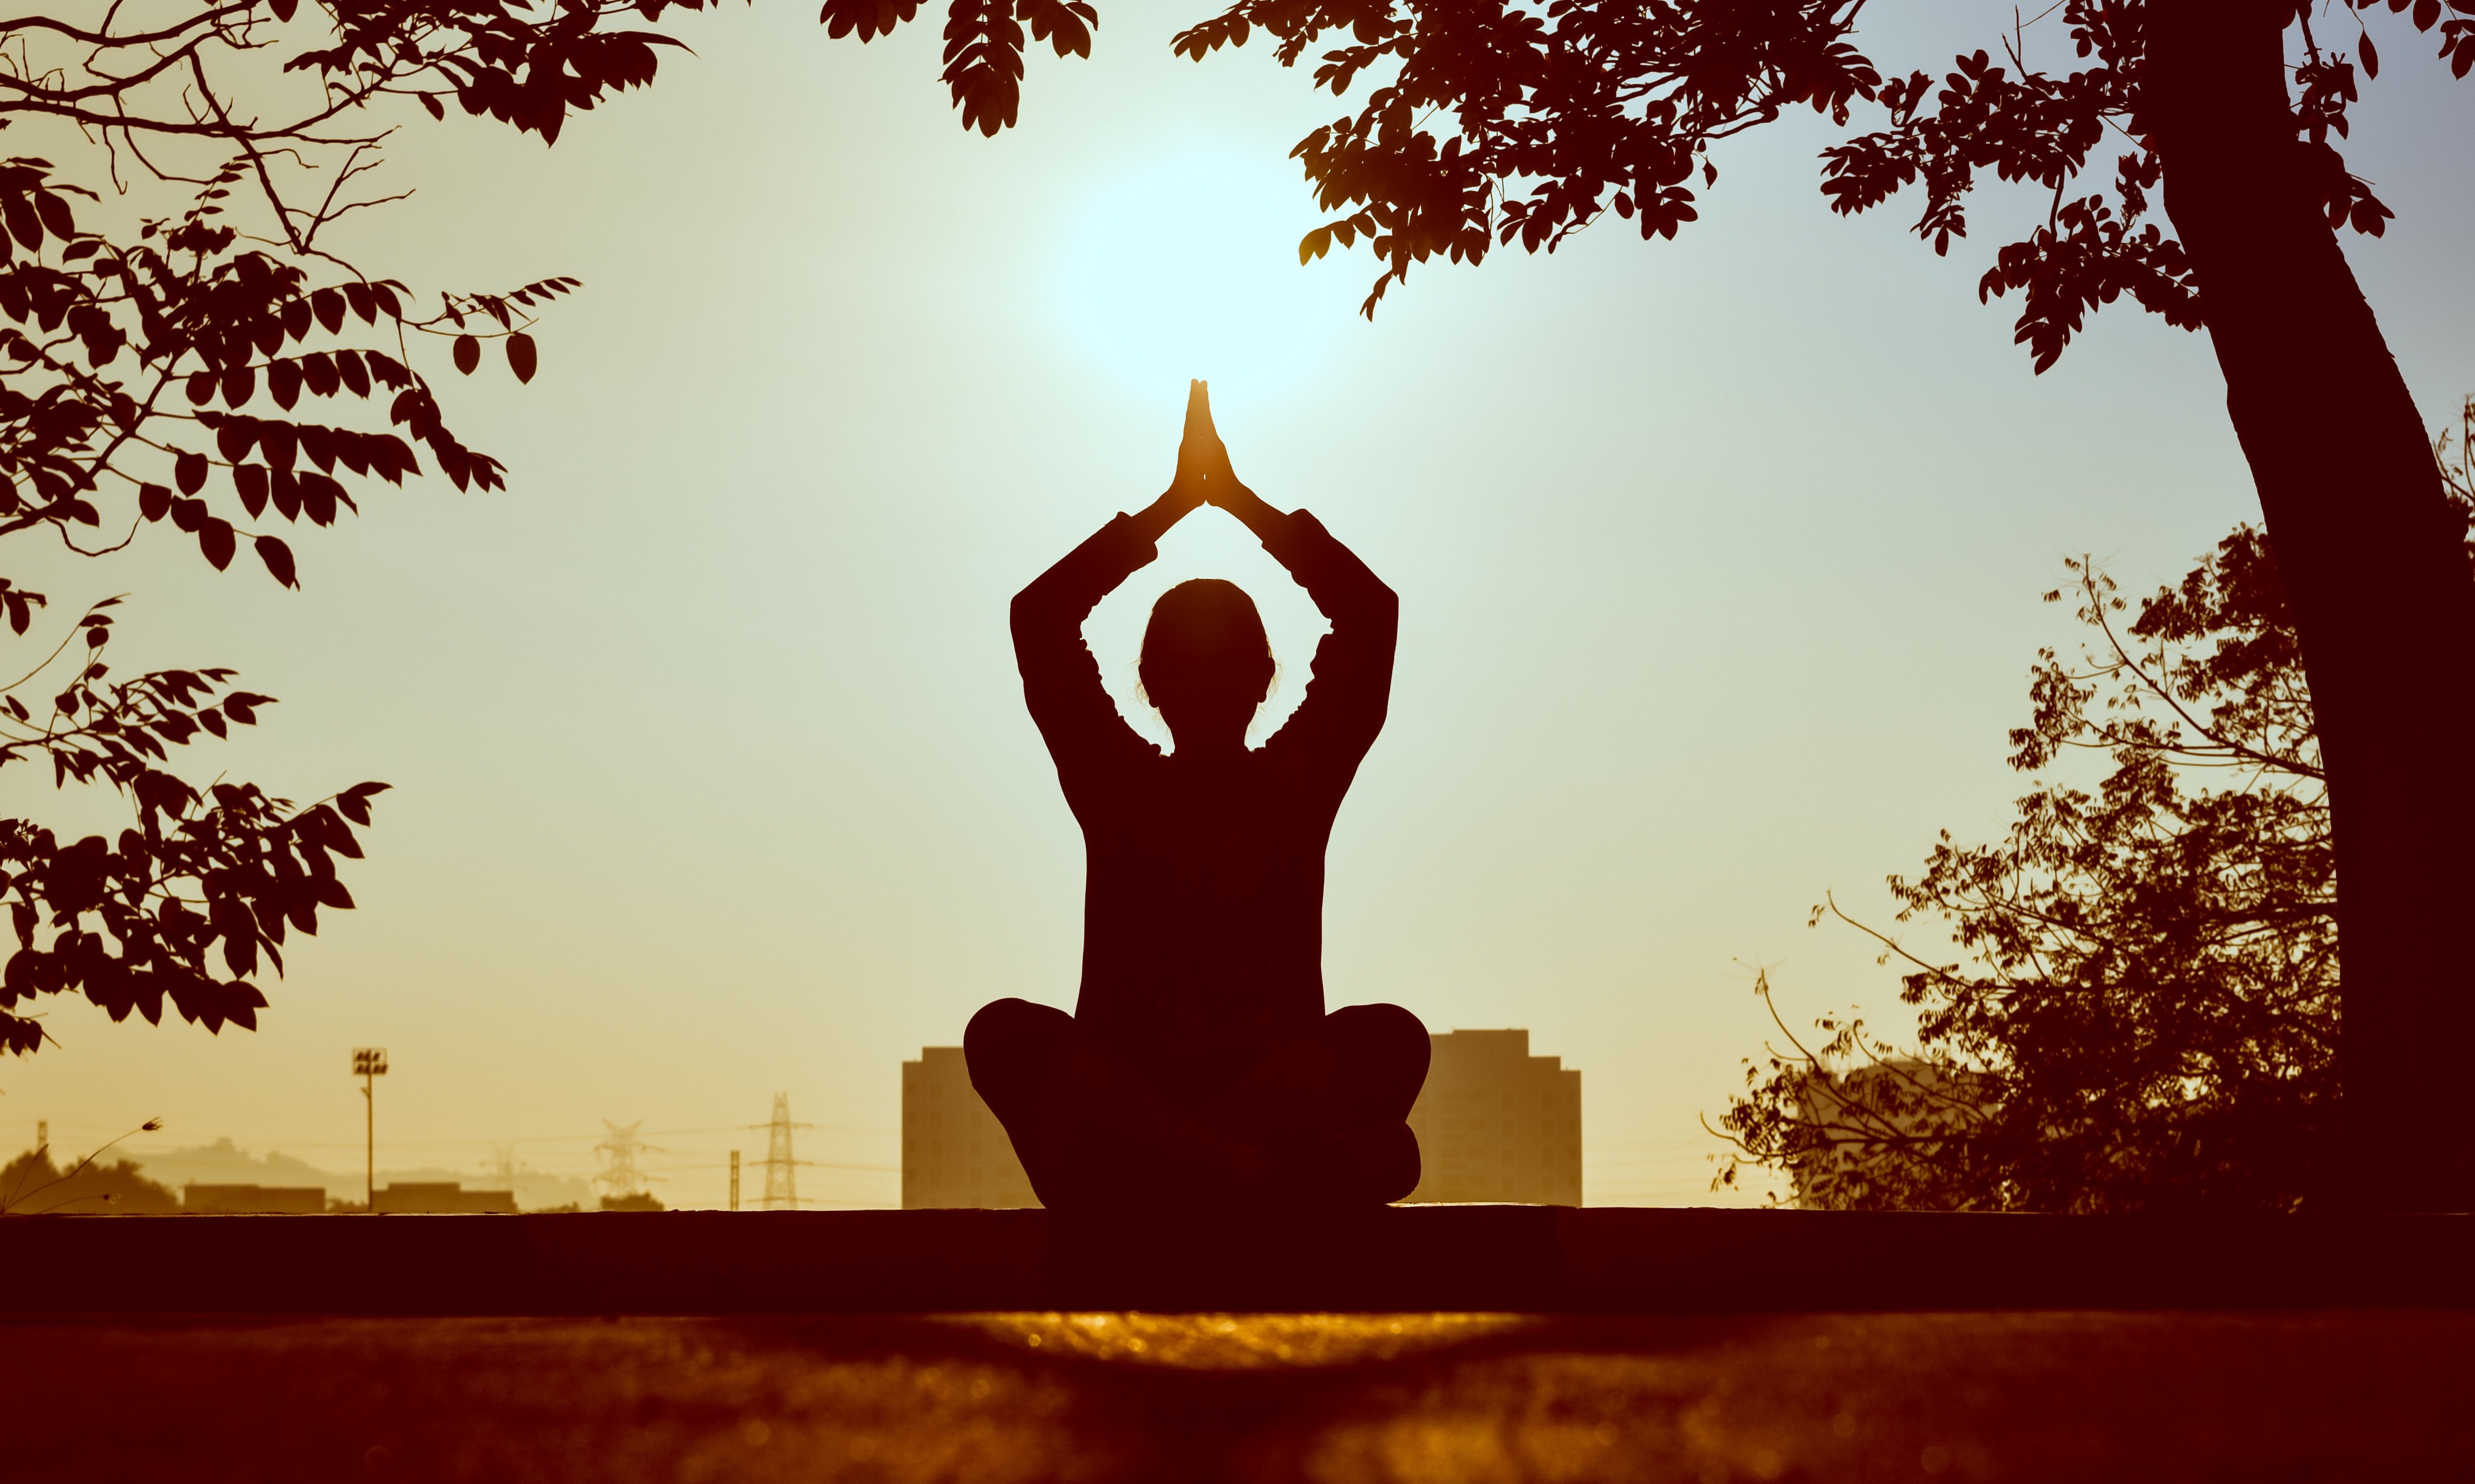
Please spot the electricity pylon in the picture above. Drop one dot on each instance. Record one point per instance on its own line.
(781, 1170)
(622, 1178)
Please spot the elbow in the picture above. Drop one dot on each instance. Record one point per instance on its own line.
(1384, 606)
(1367, 608)
(1023, 616)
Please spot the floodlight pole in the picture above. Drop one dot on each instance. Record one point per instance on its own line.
(370, 1062)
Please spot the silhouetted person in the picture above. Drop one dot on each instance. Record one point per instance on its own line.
(1199, 1065)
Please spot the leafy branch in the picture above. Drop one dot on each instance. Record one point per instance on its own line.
(215, 372)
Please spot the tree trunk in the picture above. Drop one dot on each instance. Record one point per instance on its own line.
(2377, 573)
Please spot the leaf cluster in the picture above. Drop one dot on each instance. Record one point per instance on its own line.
(114, 355)
(1491, 123)
(1488, 123)
(223, 872)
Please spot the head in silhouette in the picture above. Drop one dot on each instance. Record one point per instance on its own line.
(1207, 664)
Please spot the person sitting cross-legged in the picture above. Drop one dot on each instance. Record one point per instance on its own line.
(1200, 1066)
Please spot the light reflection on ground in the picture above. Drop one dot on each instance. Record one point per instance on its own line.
(1235, 1342)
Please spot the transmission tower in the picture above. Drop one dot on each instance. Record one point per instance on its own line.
(621, 1176)
(781, 1170)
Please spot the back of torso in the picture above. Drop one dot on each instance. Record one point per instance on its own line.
(1203, 911)
(1203, 905)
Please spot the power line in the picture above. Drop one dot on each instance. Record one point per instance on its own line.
(805, 1164)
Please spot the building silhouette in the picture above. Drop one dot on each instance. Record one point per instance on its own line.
(254, 1200)
(954, 1151)
(442, 1197)
(1495, 1123)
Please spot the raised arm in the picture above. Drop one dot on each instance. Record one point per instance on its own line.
(1352, 685)
(1351, 689)
(1061, 681)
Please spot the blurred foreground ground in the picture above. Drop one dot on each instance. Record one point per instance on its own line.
(1435, 1397)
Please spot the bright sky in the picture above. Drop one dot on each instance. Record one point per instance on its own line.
(1719, 563)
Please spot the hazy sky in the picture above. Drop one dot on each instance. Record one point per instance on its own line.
(1718, 562)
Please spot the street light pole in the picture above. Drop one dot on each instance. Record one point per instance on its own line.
(370, 1062)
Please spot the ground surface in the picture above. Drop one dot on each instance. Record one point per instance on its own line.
(1438, 1398)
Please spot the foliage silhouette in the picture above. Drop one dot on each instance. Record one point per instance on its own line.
(31, 1185)
(153, 372)
(2148, 1017)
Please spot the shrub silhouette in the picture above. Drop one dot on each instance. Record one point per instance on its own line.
(2148, 1017)
(31, 1185)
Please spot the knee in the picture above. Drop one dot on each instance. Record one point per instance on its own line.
(1386, 1049)
(1007, 1038)
(1396, 1167)
(1384, 1036)
(1376, 1166)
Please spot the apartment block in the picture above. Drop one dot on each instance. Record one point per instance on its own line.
(954, 1151)
(1495, 1123)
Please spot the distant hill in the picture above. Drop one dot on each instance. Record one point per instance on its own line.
(224, 1163)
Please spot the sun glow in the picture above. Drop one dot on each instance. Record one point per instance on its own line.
(1188, 266)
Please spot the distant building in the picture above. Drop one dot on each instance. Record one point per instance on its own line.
(1875, 1115)
(254, 1200)
(954, 1151)
(443, 1197)
(1495, 1123)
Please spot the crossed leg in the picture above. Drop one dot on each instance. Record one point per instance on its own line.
(1319, 1120)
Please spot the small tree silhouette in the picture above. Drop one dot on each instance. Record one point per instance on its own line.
(2148, 1014)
